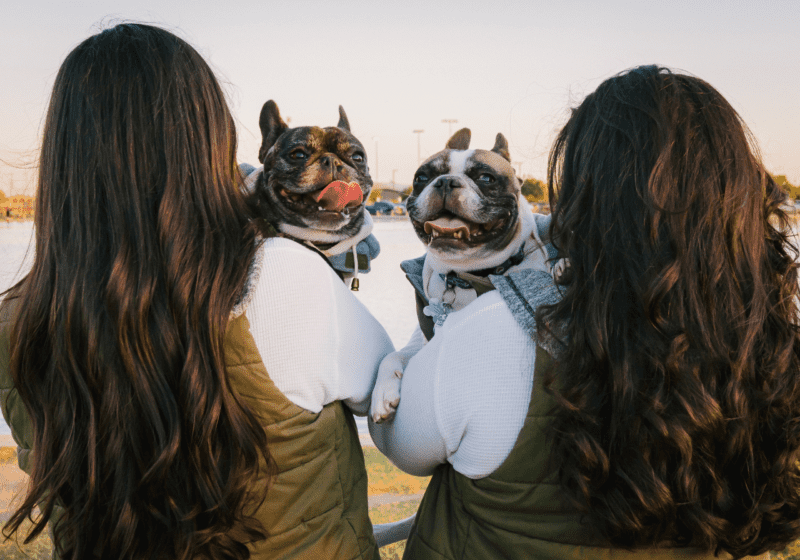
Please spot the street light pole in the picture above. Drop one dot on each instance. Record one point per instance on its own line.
(393, 172)
(418, 132)
(450, 125)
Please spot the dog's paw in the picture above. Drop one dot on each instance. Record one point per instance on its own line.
(386, 394)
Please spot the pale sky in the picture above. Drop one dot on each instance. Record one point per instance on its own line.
(514, 67)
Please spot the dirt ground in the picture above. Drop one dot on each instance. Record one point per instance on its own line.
(12, 479)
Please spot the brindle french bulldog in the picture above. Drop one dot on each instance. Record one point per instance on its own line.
(313, 187)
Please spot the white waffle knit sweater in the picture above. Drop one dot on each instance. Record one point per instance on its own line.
(464, 395)
(318, 342)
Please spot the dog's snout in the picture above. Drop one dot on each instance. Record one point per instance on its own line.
(329, 160)
(447, 183)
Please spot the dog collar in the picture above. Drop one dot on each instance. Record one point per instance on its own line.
(503, 267)
(465, 281)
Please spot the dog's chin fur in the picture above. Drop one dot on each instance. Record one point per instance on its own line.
(478, 259)
(309, 232)
(322, 236)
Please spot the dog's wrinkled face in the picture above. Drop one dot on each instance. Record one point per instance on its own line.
(313, 177)
(465, 203)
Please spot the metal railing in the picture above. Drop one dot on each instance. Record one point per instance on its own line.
(390, 533)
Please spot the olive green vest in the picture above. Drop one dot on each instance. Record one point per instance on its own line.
(316, 506)
(516, 512)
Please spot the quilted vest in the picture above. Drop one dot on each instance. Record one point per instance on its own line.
(316, 506)
(518, 511)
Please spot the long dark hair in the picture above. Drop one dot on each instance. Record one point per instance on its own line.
(678, 402)
(143, 240)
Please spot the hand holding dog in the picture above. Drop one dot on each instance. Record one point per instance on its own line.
(386, 394)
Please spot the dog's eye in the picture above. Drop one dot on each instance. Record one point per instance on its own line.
(358, 157)
(298, 155)
(486, 178)
(420, 178)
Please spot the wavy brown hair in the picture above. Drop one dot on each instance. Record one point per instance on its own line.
(143, 239)
(678, 403)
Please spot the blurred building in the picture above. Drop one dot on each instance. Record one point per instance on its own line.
(18, 206)
(388, 192)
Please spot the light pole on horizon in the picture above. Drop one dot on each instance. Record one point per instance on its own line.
(418, 132)
(450, 125)
(519, 168)
(393, 172)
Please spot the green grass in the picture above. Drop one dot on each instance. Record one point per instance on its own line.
(39, 549)
(791, 552)
(385, 478)
(393, 512)
(8, 455)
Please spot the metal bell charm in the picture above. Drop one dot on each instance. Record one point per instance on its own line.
(354, 285)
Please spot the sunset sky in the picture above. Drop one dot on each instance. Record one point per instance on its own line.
(514, 67)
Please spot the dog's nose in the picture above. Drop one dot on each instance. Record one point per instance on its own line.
(447, 183)
(331, 161)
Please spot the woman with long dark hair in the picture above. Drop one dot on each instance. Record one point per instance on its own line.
(663, 410)
(130, 357)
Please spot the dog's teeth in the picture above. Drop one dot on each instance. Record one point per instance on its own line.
(320, 208)
(457, 235)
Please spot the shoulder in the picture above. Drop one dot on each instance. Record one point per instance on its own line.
(13, 409)
(8, 307)
(8, 310)
(279, 262)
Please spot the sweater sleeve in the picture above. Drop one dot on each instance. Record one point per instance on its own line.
(464, 396)
(485, 378)
(318, 342)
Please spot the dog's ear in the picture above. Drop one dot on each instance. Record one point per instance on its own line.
(272, 126)
(459, 140)
(501, 146)
(343, 122)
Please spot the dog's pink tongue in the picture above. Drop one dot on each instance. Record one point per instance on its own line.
(339, 195)
(447, 226)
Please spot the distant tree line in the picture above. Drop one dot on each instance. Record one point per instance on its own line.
(536, 191)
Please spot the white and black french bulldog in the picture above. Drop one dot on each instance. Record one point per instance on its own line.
(312, 187)
(467, 208)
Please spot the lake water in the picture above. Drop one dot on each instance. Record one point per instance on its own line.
(384, 290)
